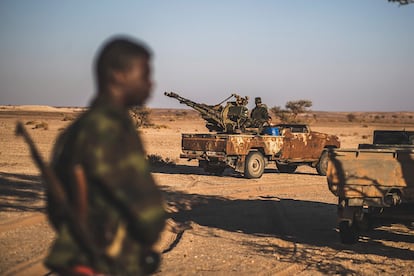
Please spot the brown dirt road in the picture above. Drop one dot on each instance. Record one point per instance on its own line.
(280, 224)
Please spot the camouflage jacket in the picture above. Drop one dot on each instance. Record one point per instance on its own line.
(259, 115)
(124, 214)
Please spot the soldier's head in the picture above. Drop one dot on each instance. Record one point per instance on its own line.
(257, 100)
(122, 69)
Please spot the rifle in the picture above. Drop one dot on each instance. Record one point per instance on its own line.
(76, 220)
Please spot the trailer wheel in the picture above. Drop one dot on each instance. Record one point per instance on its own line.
(348, 232)
(322, 165)
(254, 166)
(285, 168)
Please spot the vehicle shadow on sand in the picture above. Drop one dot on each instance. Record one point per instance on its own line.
(195, 170)
(308, 223)
(19, 192)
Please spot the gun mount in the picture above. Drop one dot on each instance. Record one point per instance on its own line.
(230, 118)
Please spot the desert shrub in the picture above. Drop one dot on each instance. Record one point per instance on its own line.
(351, 117)
(157, 161)
(158, 126)
(140, 116)
(67, 117)
(181, 113)
(283, 115)
(41, 125)
(31, 123)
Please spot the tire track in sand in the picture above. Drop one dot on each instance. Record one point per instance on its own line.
(14, 223)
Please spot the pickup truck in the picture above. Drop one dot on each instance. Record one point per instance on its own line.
(288, 145)
(371, 178)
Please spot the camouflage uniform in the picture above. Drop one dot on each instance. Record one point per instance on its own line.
(122, 196)
(259, 114)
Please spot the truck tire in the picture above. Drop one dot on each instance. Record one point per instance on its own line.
(322, 165)
(254, 165)
(286, 168)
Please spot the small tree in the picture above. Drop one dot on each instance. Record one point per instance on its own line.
(293, 108)
(283, 115)
(351, 117)
(299, 106)
(140, 116)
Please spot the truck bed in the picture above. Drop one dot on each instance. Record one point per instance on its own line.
(237, 144)
(371, 173)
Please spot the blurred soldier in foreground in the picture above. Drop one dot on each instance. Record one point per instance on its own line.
(259, 115)
(101, 162)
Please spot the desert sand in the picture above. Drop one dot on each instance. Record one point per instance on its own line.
(280, 224)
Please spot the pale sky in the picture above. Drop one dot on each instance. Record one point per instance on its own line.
(348, 55)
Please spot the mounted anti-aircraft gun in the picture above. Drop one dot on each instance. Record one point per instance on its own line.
(231, 118)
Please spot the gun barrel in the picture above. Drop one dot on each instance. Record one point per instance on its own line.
(217, 117)
(208, 113)
(171, 94)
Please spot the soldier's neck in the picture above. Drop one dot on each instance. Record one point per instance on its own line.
(114, 96)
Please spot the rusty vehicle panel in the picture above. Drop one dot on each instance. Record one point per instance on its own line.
(371, 174)
(230, 144)
(241, 144)
(204, 142)
(305, 146)
(249, 153)
(373, 177)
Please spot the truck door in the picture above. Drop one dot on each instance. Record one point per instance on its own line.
(301, 145)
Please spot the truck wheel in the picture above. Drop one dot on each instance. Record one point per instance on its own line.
(322, 165)
(284, 168)
(254, 166)
(348, 232)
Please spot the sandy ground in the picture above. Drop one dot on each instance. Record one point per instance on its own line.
(280, 224)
